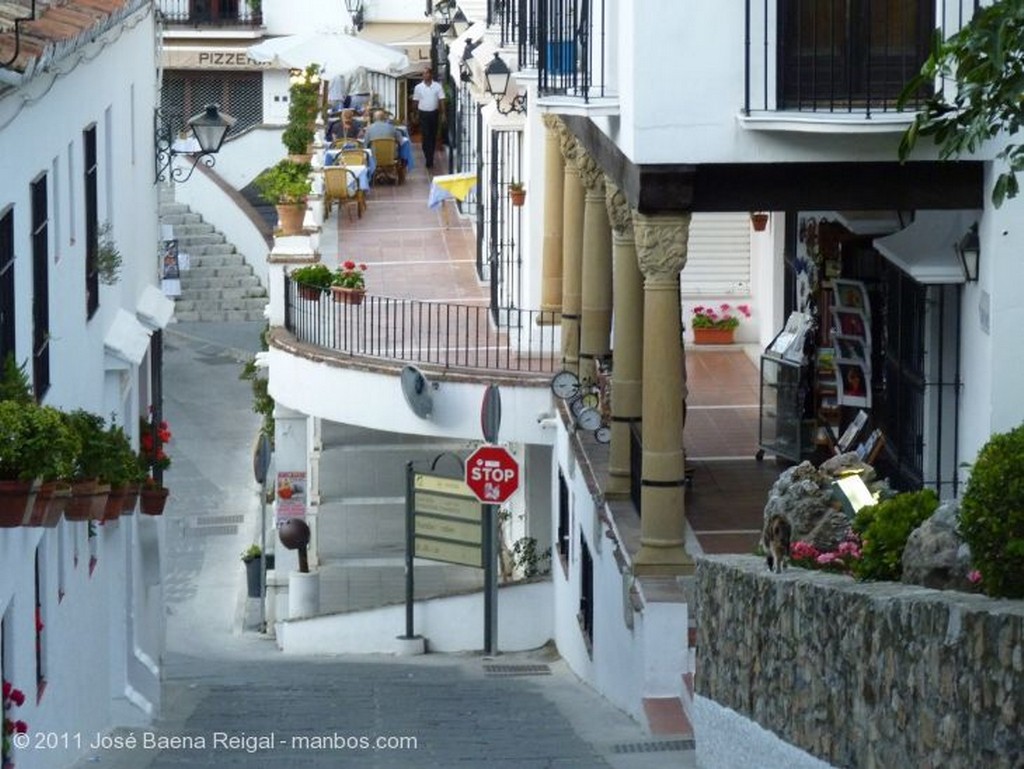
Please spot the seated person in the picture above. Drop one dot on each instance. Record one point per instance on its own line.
(381, 128)
(334, 129)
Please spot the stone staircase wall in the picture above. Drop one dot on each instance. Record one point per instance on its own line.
(219, 285)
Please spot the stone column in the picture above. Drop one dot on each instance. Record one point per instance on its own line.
(661, 243)
(596, 303)
(554, 190)
(572, 253)
(627, 342)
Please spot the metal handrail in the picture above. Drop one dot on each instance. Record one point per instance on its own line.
(456, 336)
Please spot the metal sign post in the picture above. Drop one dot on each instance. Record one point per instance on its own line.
(490, 579)
(260, 465)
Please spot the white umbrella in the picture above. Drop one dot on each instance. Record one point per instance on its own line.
(337, 53)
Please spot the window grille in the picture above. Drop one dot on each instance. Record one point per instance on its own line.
(187, 92)
(40, 289)
(7, 299)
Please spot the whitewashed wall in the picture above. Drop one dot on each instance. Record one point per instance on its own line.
(102, 632)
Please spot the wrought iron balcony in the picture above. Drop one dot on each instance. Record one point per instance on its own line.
(571, 46)
(456, 336)
(211, 13)
(840, 56)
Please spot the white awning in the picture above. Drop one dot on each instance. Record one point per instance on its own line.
(127, 339)
(154, 309)
(926, 248)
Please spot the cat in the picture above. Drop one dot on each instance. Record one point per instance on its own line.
(775, 541)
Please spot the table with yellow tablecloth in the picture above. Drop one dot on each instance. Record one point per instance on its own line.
(450, 186)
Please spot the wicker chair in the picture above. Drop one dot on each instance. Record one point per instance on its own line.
(339, 182)
(388, 165)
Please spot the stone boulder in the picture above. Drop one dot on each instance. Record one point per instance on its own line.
(803, 494)
(935, 555)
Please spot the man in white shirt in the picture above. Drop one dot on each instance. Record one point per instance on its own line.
(429, 98)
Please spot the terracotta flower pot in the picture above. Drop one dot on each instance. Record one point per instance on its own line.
(713, 335)
(131, 498)
(153, 500)
(348, 295)
(312, 293)
(759, 221)
(17, 499)
(115, 501)
(518, 197)
(79, 506)
(51, 499)
(289, 218)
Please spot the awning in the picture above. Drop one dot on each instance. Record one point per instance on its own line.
(127, 339)
(154, 309)
(926, 248)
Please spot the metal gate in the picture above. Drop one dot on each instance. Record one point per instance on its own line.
(505, 226)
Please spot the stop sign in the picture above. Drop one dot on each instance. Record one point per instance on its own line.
(492, 474)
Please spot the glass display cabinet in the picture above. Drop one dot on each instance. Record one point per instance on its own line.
(783, 431)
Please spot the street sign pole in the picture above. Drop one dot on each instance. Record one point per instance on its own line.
(409, 549)
(490, 579)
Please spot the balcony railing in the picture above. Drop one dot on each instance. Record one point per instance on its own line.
(840, 56)
(516, 22)
(571, 45)
(412, 331)
(210, 13)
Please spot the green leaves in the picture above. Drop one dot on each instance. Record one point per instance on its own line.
(980, 75)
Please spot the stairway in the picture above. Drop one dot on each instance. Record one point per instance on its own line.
(219, 285)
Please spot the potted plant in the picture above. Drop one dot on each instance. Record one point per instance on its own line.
(121, 470)
(517, 193)
(303, 105)
(349, 283)
(29, 433)
(312, 280)
(88, 494)
(153, 458)
(716, 325)
(252, 557)
(286, 185)
(759, 221)
(59, 449)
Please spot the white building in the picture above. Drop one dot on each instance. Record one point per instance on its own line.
(81, 605)
(647, 133)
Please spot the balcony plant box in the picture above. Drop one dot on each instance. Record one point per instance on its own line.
(51, 500)
(348, 283)
(153, 499)
(312, 280)
(348, 295)
(713, 335)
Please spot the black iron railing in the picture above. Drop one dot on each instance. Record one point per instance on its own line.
(516, 22)
(409, 330)
(841, 56)
(571, 49)
(213, 13)
(505, 235)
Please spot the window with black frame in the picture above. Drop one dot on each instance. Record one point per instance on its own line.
(7, 299)
(850, 55)
(40, 289)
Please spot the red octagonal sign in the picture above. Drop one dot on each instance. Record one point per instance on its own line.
(492, 474)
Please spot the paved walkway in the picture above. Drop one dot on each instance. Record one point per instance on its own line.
(231, 699)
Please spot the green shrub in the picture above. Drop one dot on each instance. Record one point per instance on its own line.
(317, 275)
(884, 529)
(286, 182)
(992, 514)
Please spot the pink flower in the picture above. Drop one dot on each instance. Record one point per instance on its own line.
(349, 265)
(826, 558)
(744, 308)
(20, 727)
(17, 697)
(802, 550)
(974, 576)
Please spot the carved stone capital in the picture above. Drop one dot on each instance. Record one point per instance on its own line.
(590, 173)
(661, 246)
(620, 215)
(571, 149)
(553, 123)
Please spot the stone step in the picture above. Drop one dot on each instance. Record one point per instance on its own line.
(191, 229)
(224, 271)
(189, 242)
(225, 293)
(170, 208)
(220, 305)
(213, 249)
(217, 316)
(199, 261)
(176, 219)
(192, 283)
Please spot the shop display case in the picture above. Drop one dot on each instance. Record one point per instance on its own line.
(783, 430)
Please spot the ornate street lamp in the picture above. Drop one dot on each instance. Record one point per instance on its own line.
(208, 128)
(498, 75)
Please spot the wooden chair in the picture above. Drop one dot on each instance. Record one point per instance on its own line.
(339, 182)
(388, 165)
(353, 156)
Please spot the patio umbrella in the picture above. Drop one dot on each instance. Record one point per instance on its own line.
(337, 53)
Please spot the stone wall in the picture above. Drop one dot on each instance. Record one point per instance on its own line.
(866, 675)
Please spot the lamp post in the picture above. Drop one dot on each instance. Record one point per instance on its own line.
(208, 128)
(498, 75)
(355, 10)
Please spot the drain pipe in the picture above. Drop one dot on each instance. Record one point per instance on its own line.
(17, 36)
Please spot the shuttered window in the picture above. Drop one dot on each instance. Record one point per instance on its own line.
(718, 256)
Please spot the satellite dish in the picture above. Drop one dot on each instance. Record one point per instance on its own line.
(416, 390)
